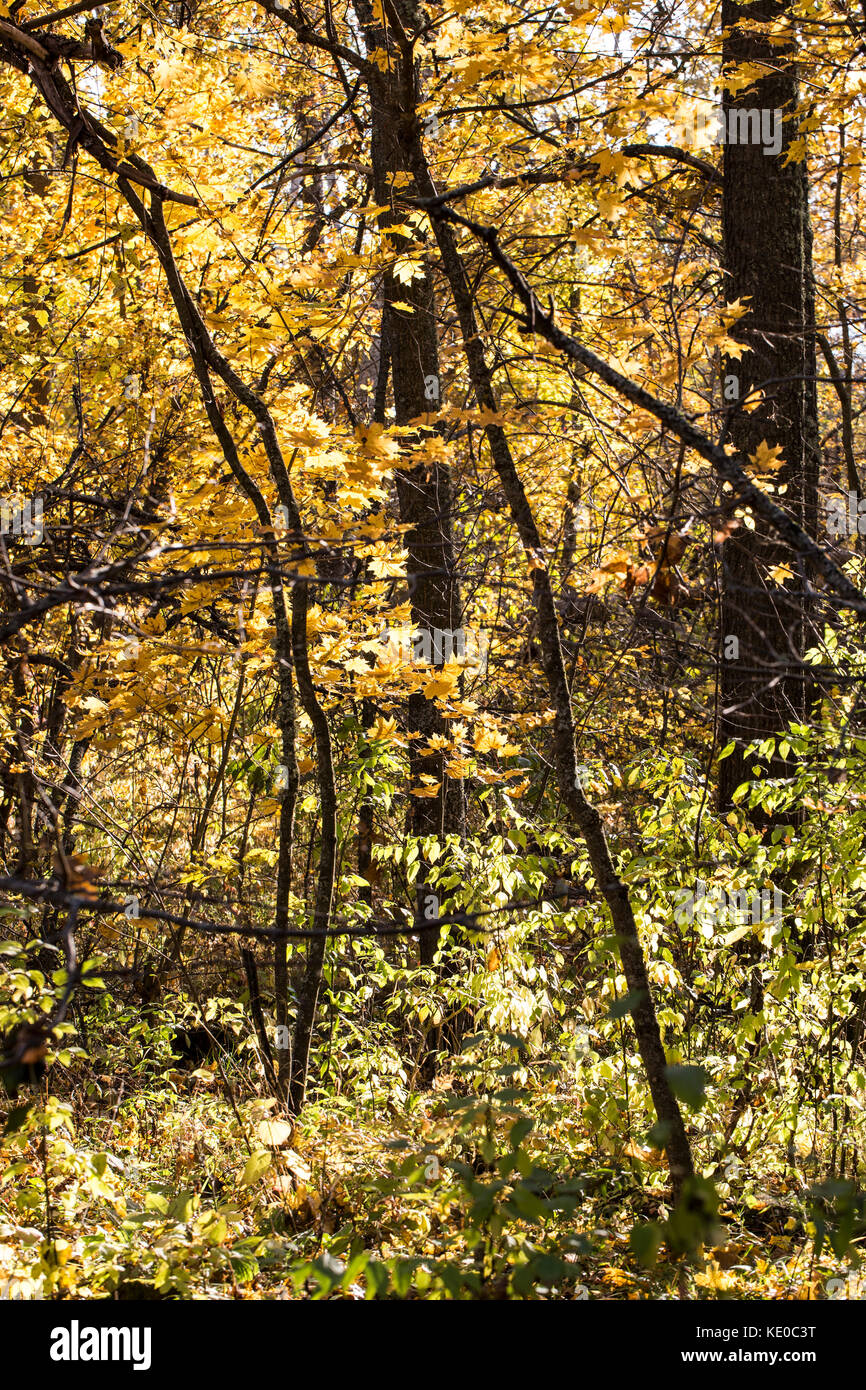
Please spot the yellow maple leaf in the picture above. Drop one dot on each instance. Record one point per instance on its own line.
(458, 768)
(429, 789)
(619, 564)
(796, 152)
(714, 1278)
(735, 310)
(613, 163)
(442, 683)
(384, 730)
(436, 744)
(387, 567)
(406, 270)
(766, 458)
(728, 347)
(484, 740)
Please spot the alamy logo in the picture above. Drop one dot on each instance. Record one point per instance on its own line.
(102, 1344)
(703, 124)
(22, 519)
(852, 1287)
(847, 516)
(736, 907)
(435, 646)
(21, 1288)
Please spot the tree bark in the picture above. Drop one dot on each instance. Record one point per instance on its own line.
(425, 493)
(767, 260)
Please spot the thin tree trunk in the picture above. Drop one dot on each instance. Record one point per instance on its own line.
(252, 973)
(312, 978)
(582, 814)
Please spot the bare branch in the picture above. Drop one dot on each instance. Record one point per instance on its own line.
(731, 468)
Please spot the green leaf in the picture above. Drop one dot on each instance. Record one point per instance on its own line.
(327, 1271)
(15, 1119)
(689, 1084)
(245, 1267)
(645, 1242)
(519, 1131)
(627, 1004)
(528, 1204)
(257, 1164)
(182, 1207)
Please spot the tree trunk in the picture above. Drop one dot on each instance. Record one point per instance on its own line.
(424, 493)
(767, 256)
(582, 815)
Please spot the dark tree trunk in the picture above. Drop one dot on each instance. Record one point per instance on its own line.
(767, 255)
(410, 339)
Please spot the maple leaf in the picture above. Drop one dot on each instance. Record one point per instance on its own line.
(388, 566)
(734, 311)
(485, 740)
(442, 684)
(77, 874)
(619, 564)
(610, 206)
(636, 574)
(384, 730)
(727, 346)
(780, 574)
(796, 152)
(430, 787)
(458, 768)
(406, 270)
(376, 442)
(436, 744)
(306, 276)
(767, 459)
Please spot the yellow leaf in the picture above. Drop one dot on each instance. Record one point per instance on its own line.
(256, 1165)
(384, 730)
(618, 565)
(737, 935)
(431, 789)
(274, 1132)
(766, 458)
(796, 152)
(407, 270)
(442, 684)
(612, 162)
(387, 568)
(459, 768)
(297, 1165)
(715, 1278)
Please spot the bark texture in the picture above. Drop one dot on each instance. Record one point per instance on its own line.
(767, 260)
